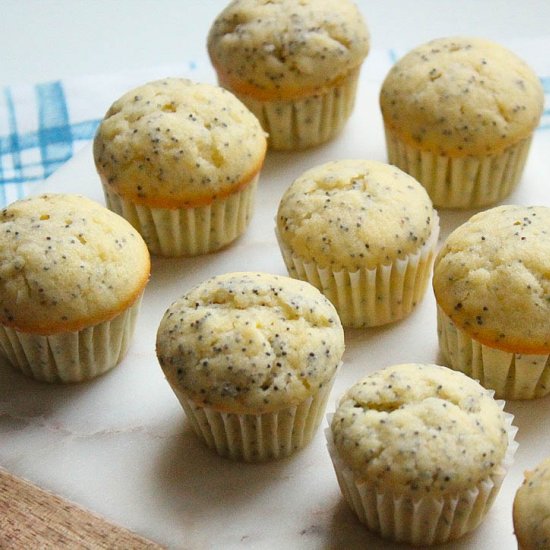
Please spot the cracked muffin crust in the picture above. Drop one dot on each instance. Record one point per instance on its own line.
(355, 214)
(461, 96)
(406, 426)
(459, 113)
(175, 143)
(362, 232)
(282, 49)
(492, 291)
(420, 452)
(250, 342)
(531, 511)
(491, 278)
(295, 64)
(181, 160)
(72, 274)
(66, 262)
(252, 358)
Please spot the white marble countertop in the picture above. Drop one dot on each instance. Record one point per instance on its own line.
(120, 445)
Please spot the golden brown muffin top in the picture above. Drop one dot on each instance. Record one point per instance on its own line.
(532, 509)
(461, 96)
(355, 214)
(420, 428)
(174, 143)
(67, 263)
(250, 343)
(282, 49)
(492, 278)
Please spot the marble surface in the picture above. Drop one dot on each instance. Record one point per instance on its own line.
(120, 445)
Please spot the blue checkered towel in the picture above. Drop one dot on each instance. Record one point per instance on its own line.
(43, 125)
(38, 134)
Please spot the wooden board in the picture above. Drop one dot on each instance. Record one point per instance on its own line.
(33, 518)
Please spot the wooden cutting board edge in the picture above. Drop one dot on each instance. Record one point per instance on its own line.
(31, 517)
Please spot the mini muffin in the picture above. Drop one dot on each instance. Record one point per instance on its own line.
(363, 233)
(294, 64)
(72, 274)
(180, 161)
(459, 114)
(251, 358)
(532, 509)
(492, 290)
(420, 452)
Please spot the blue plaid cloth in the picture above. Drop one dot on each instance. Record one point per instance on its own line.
(33, 147)
(43, 125)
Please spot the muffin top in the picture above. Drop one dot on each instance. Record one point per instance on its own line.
(532, 509)
(492, 278)
(250, 342)
(282, 49)
(67, 263)
(354, 214)
(420, 429)
(174, 143)
(461, 96)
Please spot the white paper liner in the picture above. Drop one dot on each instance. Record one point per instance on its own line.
(369, 297)
(305, 122)
(510, 375)
(261, 437)
(466, 182)
(427, 520)
(188, 231)
(71, 356)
